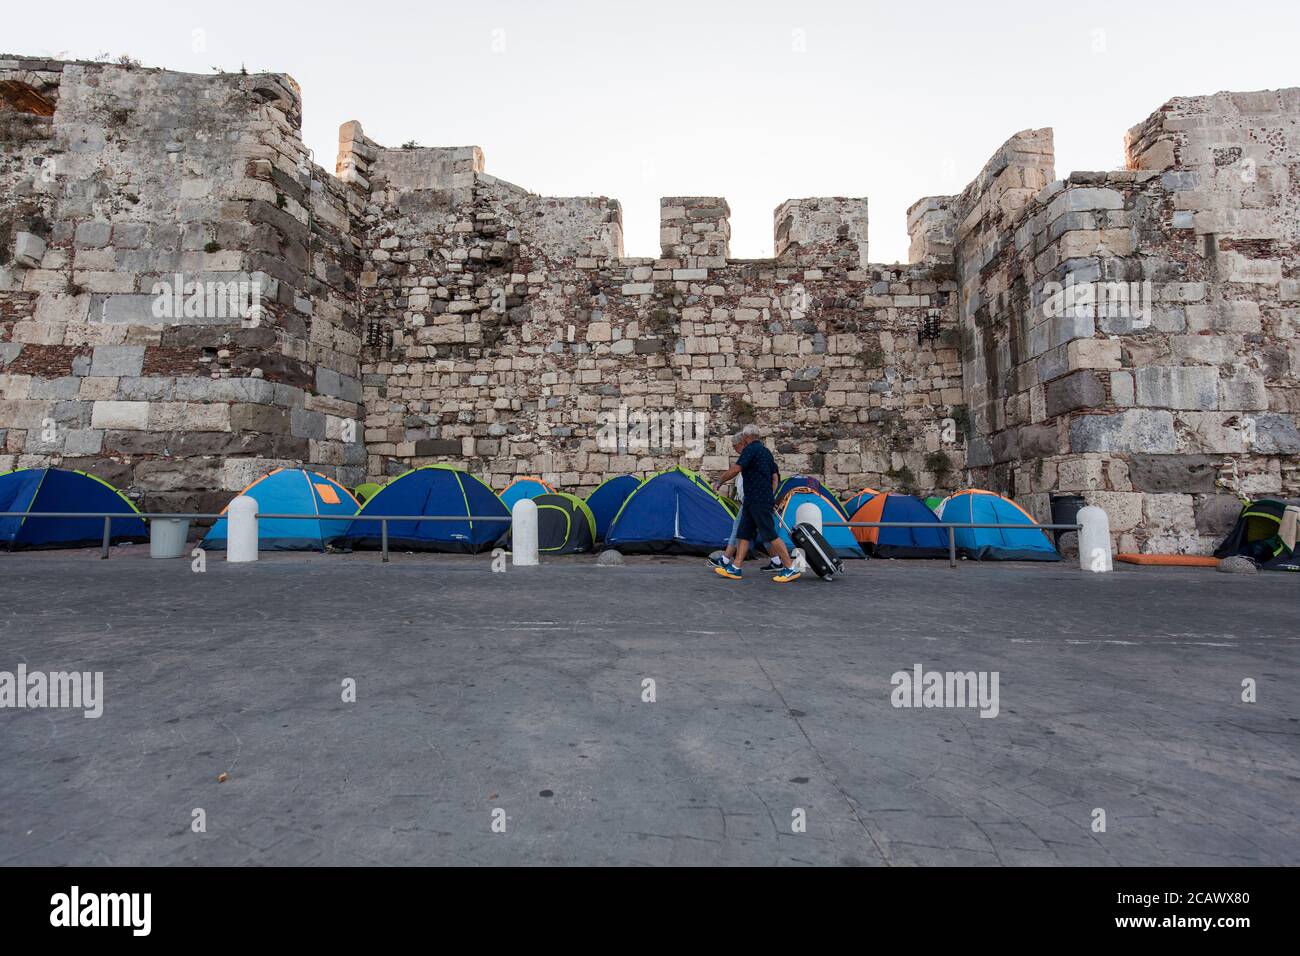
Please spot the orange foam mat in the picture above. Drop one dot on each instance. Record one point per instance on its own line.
(1170, 560)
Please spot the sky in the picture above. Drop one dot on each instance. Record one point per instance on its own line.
(755, 101)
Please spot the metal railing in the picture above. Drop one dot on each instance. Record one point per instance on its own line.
(384, 523)
(384, 519)
(952, 529)
(108, 517)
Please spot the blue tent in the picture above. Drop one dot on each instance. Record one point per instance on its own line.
(673, 512)
(807, 481)
(54, 489)
(995, 544)
(841, 539)
(435, 490)
(608, 497)
(919, 542)
(292, 491)
(524, 488)
(851, 505)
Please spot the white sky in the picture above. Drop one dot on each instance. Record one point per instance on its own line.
(893, 101)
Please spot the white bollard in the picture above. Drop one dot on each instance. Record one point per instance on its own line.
(1094, 540)
(809, 513)
(241, 529)
(523, 534)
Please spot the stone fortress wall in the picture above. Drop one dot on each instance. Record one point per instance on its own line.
(1150, 413)
(413, 309)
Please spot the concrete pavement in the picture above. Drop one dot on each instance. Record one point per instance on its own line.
(520, 697)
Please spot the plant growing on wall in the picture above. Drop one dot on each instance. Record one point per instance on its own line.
(904, 479)
(940, 465)
(872, 358)
(961, 415)
(742, 411)
(660, 321)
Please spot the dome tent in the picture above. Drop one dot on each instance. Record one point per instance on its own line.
(995, 544)
(291, 491)
(1266, 534)
(672, 512)
(841, 539)
(804, 481)
(607, 498)
(524, 488)
(921, 542)
(435, 490)
(34, 490)
(564, 524)
(366, 490)
(850, 505)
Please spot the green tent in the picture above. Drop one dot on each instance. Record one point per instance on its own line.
(565, 525)
(366, 490)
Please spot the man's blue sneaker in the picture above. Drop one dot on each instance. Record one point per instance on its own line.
(728, 570)
(786, 576)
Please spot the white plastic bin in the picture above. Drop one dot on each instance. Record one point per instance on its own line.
(168, 537)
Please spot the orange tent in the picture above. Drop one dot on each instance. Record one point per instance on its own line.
(919, 542)
(854, 502)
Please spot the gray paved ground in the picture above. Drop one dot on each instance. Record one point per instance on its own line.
(522, 691)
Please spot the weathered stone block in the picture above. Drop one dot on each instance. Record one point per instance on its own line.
(120, 415)
(238, 473)
(1239, 315)
(442, 447)
(1122, 390)
(1082, 389)
(1136, 430)
(94, 234)
(29, 250)
(1124, 509)
(1276, 434)
(173, 474)
(1039, 441)
(1206, 349)
(259, 418)
(1172, 473)
(304, 423)
(1243, 389)
(83, 441)
(1192, 388)
(1094, 353)
(1216, 514)
(117, 360)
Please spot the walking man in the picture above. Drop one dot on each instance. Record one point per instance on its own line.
(757, 468)
(737, 444)
(728, 556)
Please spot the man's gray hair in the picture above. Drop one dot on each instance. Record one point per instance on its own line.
(750, 431)
(737, 439)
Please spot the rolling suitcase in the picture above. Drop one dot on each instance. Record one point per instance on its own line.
(821, 557)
